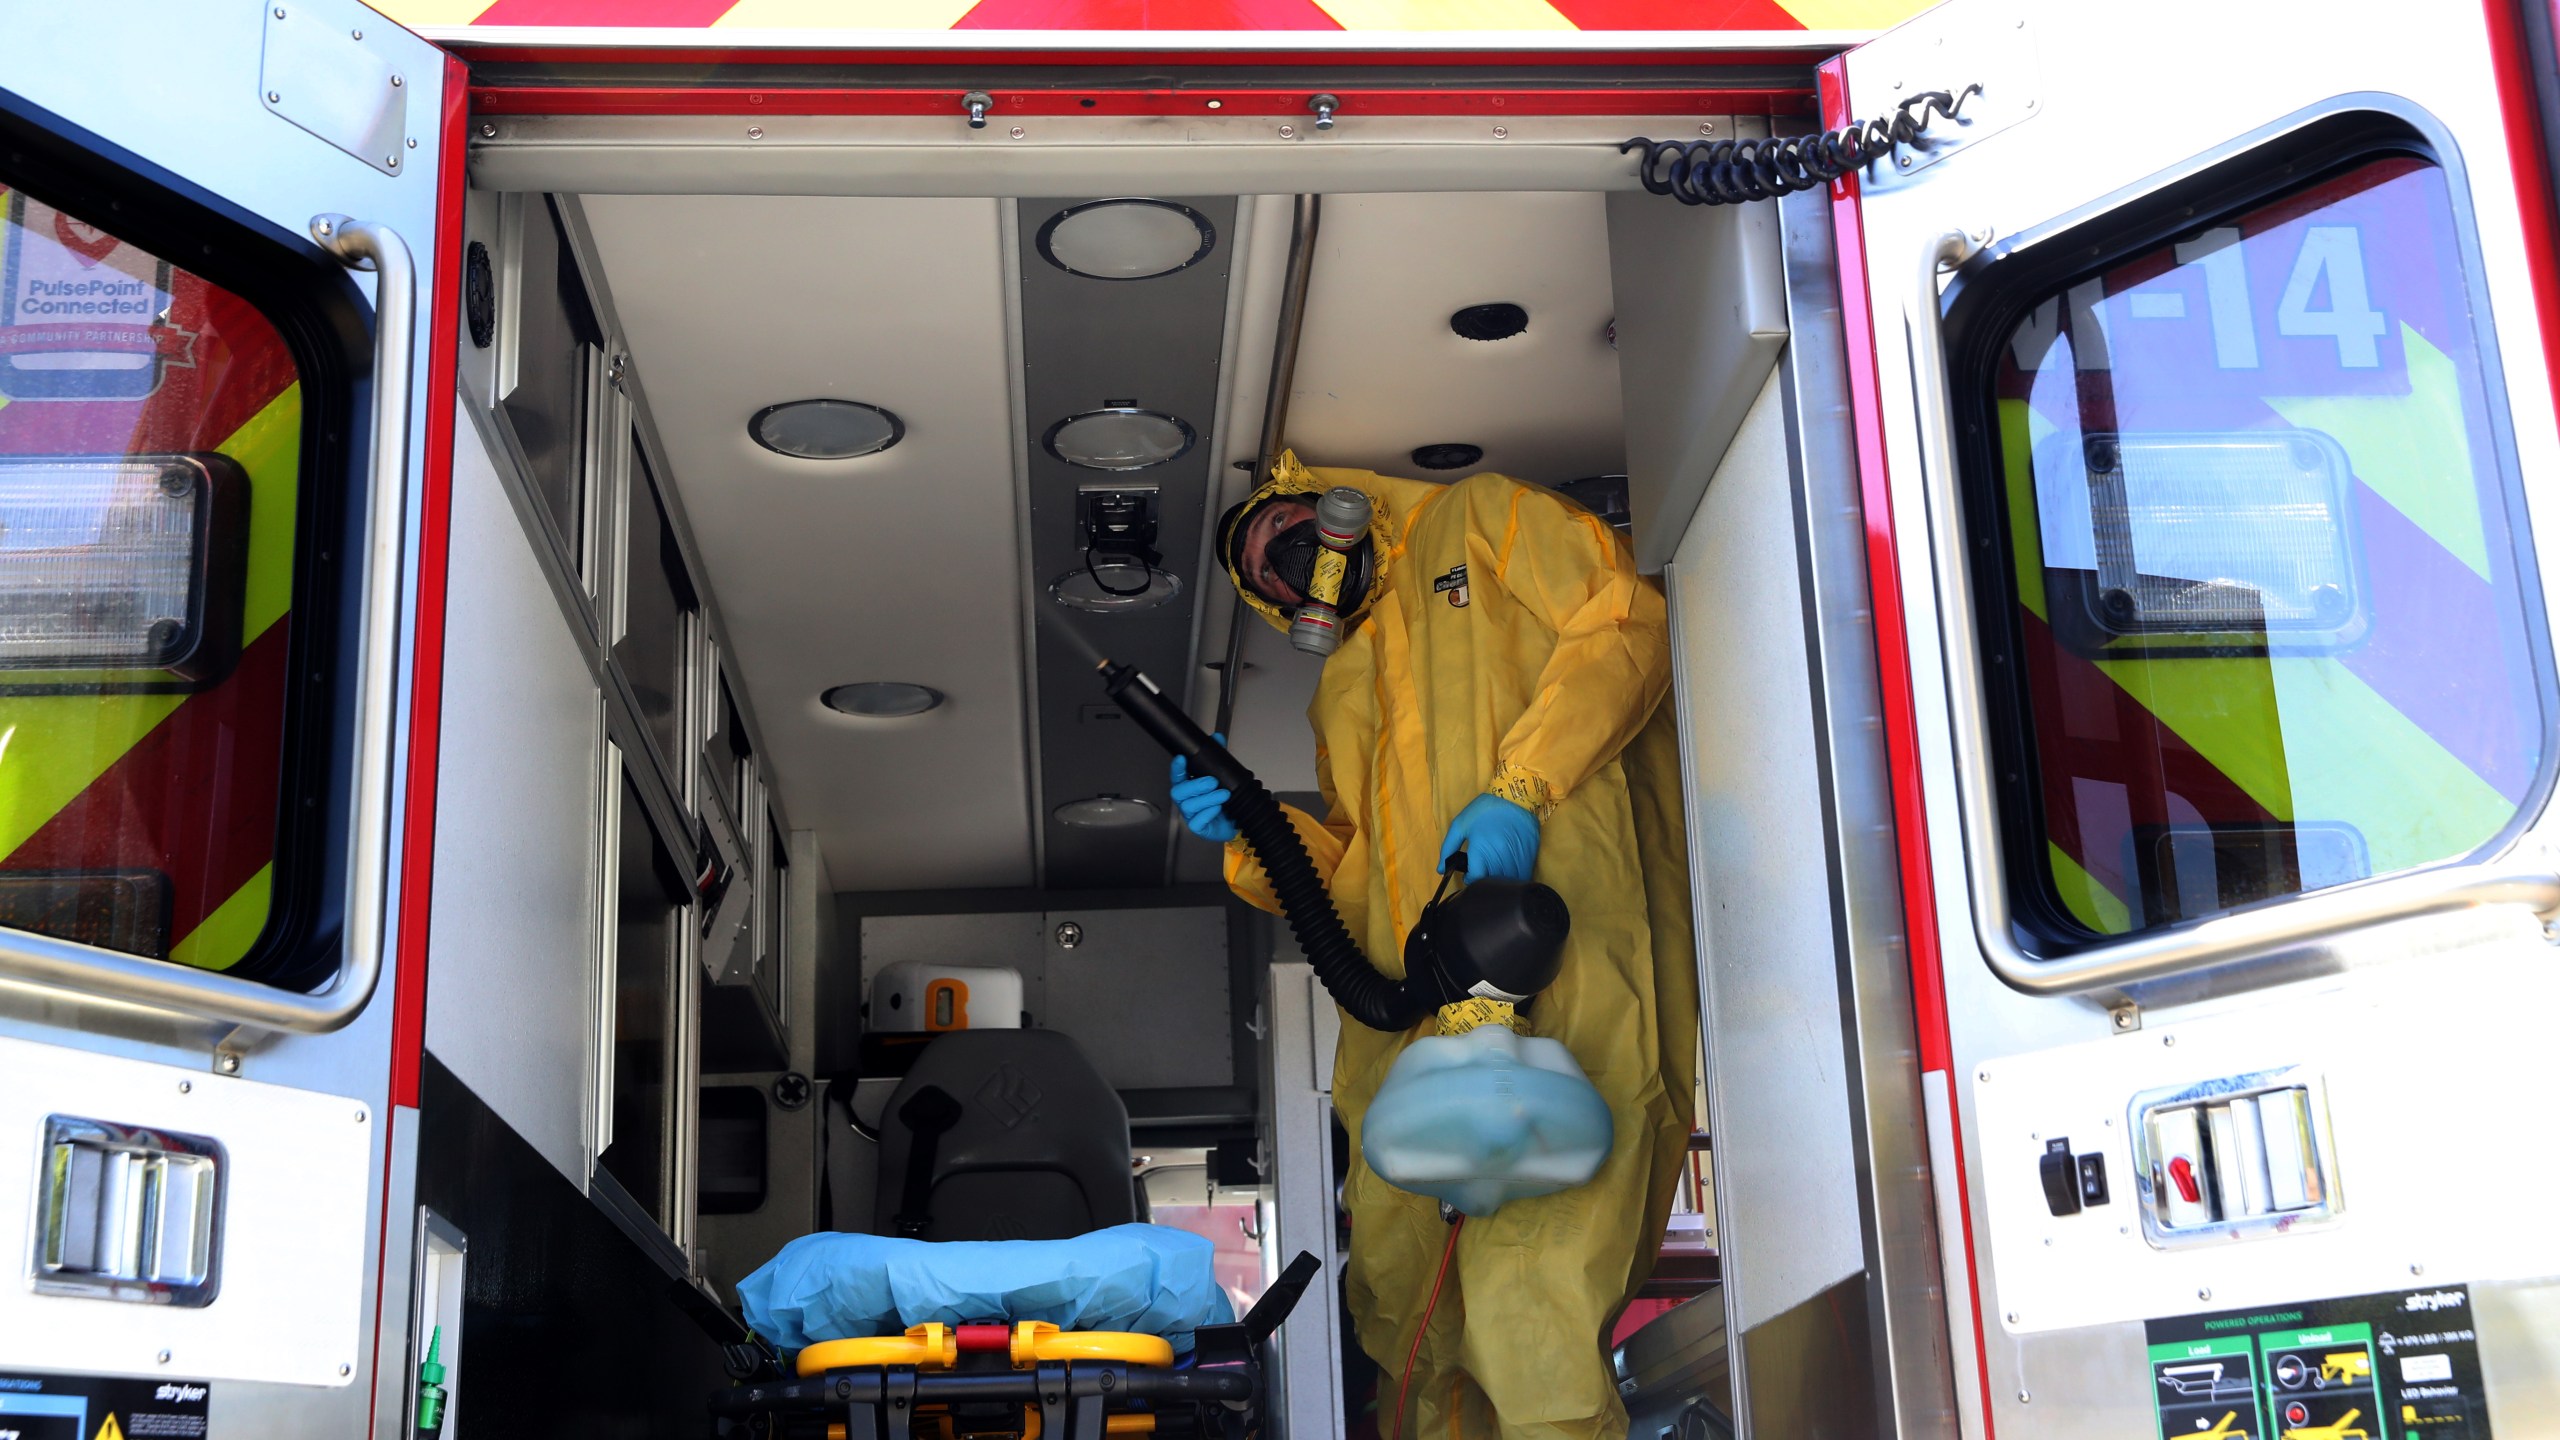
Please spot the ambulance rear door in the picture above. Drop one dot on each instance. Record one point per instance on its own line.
(218, 250)
(2207, 447)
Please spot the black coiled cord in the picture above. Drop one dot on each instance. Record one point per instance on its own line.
(1735, 172)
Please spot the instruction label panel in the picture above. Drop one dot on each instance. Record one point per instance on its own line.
(102, 1407)
(2404, 1365)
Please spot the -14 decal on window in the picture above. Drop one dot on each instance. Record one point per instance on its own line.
(2325, 296)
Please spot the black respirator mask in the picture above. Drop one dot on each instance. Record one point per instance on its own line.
(1292, 556)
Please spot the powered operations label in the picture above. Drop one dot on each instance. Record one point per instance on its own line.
(2398, 1366)
(99, 1407)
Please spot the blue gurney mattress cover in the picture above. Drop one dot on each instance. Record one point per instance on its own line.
(837, 1286)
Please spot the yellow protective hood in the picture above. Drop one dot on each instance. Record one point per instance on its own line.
(1289, 477)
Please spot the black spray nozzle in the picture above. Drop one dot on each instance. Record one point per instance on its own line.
(1167, 724)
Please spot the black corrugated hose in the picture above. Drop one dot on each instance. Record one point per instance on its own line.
(1356, 985)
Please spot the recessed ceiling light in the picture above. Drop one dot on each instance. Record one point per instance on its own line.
(1126, 239)
(1115, 585)
(1490, 322)
(825, 429)
(1119, 437)
(1106, 812)
(882, 699)
(1447, 457)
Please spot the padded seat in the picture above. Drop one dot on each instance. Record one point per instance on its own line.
(1003, 1135)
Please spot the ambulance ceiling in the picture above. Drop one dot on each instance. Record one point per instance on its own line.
(907, 565)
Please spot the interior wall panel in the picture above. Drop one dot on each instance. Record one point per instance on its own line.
(511, 932)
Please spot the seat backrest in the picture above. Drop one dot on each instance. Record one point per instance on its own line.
(1003, 1135)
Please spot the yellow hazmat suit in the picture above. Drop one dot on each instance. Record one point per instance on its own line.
(1508, 646)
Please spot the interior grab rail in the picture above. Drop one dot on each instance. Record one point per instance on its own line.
(2524, 875)
(101, 974)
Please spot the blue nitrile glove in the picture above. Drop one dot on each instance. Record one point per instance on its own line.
(1500, 837)
(1203, 802)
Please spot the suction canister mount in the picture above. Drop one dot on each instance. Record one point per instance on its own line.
(1342, 522)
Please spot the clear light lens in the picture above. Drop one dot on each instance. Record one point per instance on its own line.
(882, 699)
(1105, 589)
(97, 563)
(1106, 812)
(1118, 439)
(825, 429)
(1126, 239)
(2201, 533)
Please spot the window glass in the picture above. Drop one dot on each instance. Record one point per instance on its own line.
(2274, 632)
(652, 647)
(773, 947)
(736, 754)
(150, 457)
(556, 333)
(645, 882)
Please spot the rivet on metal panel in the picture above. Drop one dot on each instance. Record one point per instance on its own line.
(279, 12)
(755, 132)
(2168, 1039)
(227, 1063)
(2204, 1292)
(397, 82)
(1501, 132)
(186, 1087)
(2013, 1317)
(1069, 934)
(2025, 1399)
(488, 130)
(273, 97)
(1288, 132)
(2417, 1269)
(359, 1114)
(1982, 1075)
(392, 159)
(2127, 1017)
(355, 34)
(413, 142)
(1016, 132)
(164, 1355)
(345, 1369)
(1706, 127)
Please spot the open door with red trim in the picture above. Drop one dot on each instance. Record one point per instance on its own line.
(2205, 440)
(219, 248)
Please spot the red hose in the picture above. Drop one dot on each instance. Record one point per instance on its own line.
(1405, 1385)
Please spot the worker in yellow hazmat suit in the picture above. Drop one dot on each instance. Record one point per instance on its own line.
(1501, 645)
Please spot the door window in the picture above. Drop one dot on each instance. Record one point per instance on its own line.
(151, 479)
(647, 890)
(2269, 625)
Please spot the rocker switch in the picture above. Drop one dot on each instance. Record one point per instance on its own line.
(2060, 1175)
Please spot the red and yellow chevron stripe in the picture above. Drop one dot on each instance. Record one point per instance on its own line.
(1830, 16)
(187, 785)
